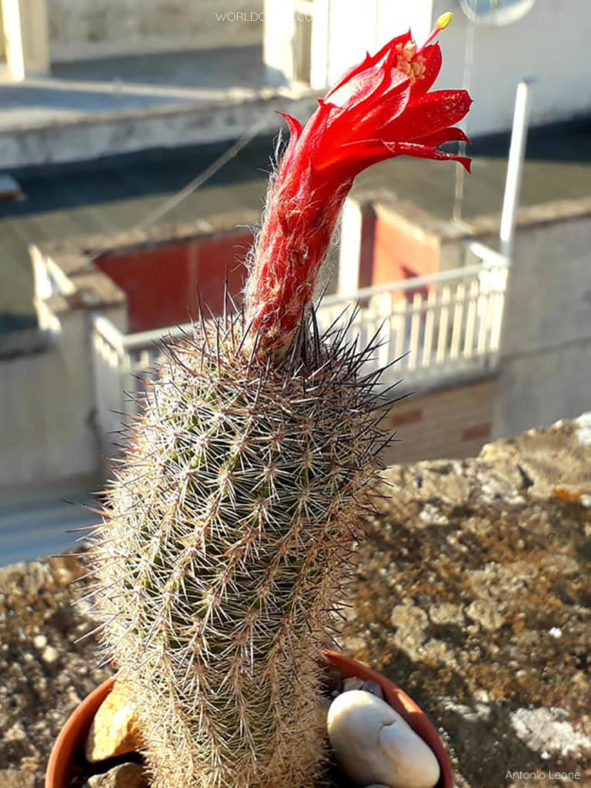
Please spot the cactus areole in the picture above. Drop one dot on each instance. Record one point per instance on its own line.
(224, 548)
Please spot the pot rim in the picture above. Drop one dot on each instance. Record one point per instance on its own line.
(73, 734)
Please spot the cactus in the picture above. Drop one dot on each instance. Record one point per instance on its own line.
(224, 550)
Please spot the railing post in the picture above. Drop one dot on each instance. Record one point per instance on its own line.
(515, 167)
(26, 37)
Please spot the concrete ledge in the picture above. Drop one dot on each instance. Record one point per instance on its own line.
(469, 592)
(92, 135)
(23, 343)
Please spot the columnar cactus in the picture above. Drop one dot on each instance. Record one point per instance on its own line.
(227, 528)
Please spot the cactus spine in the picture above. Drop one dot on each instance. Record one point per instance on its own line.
(224, 550)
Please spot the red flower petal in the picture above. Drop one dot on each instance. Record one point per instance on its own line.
(370, 60)
(374, 115)
(433, 63)
(429, 113)
(294, 126)
(295, 131)
(442, 136)
(428, 152)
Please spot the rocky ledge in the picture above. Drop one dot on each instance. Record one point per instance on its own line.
(473, 592)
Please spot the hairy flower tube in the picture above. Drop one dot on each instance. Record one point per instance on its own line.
(382, 108)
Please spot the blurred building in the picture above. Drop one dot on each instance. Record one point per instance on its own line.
(137, 137)
(94, 78)
(490, 46)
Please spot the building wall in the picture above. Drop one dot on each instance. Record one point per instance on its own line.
(47, 411)
(381, 242)
(450, 423)
(163, 284)
(401, 250)
(94, 28)
(504, 55)
(546, 346)
(345, 29)
(2, 42)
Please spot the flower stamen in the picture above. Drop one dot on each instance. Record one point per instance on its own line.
(409, 62)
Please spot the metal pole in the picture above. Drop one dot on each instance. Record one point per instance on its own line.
(515, 167)
(466, 82)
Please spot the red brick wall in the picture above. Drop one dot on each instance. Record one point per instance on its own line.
(448, 424)
(161, 283)
(400, 251)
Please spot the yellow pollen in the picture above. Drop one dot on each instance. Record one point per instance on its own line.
(409, 62)
(444, 21)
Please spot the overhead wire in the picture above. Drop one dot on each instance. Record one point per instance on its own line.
(466, 84)
(204, 176)
(172, 202)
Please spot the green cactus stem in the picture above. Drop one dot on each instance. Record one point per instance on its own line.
(224, 550)
(225, 547)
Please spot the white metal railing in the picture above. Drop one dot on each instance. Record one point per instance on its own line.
(438, 326)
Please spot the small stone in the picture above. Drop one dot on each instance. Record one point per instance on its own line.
(127, 775)
(431, 515)
(446, 613)
(15, 733)
(486, 614)
(49, 655)
(481, 696)
(11, 778)
(115, 729)
(409, 617)
(374, 744)
(374, 688)
(438, 651)
(353, 683)
(353, 645)
(39, 641)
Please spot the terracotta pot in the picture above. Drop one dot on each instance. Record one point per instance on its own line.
(70, 743)
(405, 706)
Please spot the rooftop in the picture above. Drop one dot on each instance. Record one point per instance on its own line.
(116, 193)
(84, 88)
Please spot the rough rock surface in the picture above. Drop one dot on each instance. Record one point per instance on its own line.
(473, 592)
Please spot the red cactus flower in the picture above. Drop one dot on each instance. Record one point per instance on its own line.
(381, 108)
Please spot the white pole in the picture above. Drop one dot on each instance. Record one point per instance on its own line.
(515, 167)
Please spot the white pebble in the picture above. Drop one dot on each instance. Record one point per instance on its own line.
(373, 687)
(49, 655)
(374, 744)
(352, 683)
(39, 641)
